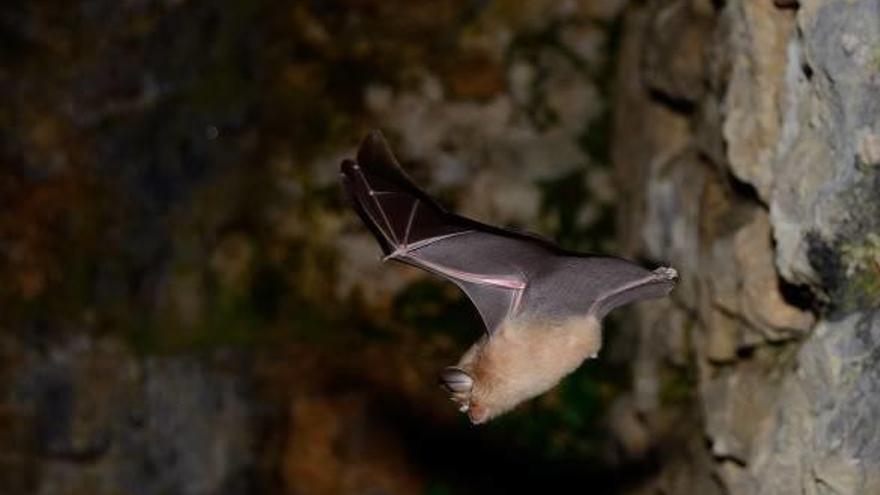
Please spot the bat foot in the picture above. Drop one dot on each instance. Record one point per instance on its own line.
(666, 273)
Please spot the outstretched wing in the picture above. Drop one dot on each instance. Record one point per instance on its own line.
(578, 285)
(631, 284)
(492, 266)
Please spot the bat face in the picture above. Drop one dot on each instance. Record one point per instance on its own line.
(524, 359)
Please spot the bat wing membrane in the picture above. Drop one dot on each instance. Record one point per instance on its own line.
(595, 285)
(490, 265)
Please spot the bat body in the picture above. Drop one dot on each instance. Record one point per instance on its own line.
(523, 359)
(541, 305)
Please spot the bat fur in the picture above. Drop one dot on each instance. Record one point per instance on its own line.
(523, 359)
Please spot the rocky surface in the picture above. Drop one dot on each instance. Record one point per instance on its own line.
(759, 188)
(103, 421)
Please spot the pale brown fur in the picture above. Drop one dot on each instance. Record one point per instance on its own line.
(523, 359)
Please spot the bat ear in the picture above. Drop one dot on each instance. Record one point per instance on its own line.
(456, 380)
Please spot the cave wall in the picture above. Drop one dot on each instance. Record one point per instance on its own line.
(746, 141)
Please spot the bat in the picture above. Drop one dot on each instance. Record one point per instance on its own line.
(542, 305)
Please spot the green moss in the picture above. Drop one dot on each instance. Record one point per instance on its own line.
(863, 256)
(875, 58)
(862, 291)
(849, 270)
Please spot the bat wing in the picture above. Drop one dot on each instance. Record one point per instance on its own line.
(631, 285)
(595, 285)
(492, 266)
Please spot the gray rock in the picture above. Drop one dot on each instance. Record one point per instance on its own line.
(826, 183)
(827, 413)
(769, 208)
(106, 422)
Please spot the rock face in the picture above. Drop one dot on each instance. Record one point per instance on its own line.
(105, 420)
(755, 175)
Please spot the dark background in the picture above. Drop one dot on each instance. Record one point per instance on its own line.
(188, 304)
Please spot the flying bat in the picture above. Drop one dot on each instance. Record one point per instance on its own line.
(542, 306)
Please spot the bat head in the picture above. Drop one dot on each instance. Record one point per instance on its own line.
(460, 385)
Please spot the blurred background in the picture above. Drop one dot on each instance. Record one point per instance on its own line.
(189, 306)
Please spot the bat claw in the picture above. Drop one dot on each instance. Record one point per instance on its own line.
(666, 273)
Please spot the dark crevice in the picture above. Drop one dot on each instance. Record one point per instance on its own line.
(807, 70)
(828, 266)
(731, 458)
(678, 105)
(800, 296)
(787, 4)
(743, 189)
(745, 353)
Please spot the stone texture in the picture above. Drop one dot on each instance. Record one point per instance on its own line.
(107, 422)
(822, 435)
(762, 303)
(674, 60)
(832, 95)
(759, 34)
(769, 210)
